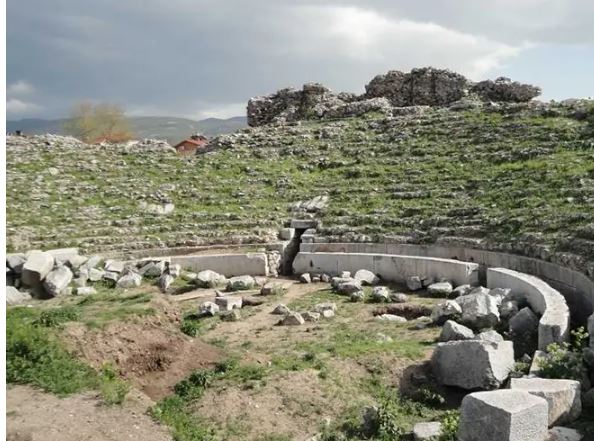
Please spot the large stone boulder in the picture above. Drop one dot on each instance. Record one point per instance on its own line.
(427, 431)
(502, 415)
(348, 287)
(15, 262)
(445, 311)
(209, 279)
(292, 319)
(366, 277)
(57, 280)
(524, 322)
(241, 283)
(38, 265)
(16, 297)
(208, 308)
(440, 289)
(479, 310)
(452, 331)
(130, 280)
(473, 364)
(563, 396)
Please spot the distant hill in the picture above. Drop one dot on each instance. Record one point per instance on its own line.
(160, 127)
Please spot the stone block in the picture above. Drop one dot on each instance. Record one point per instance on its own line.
(563, 396)
(454, 331)
(57, 280)
(229, 302)
(473, 364)
(37, 266)
(503, 415)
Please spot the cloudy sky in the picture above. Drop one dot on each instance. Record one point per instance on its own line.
(202, 58)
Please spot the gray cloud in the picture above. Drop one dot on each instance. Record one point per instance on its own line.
(207, 57)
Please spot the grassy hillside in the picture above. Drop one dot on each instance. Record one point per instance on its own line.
(518, 178)
(159, 127)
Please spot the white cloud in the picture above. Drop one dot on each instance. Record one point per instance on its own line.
(17, 107)
(20, 88)
(365, 36)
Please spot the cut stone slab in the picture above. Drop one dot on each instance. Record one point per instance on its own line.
(366, 277)
(391, 318)
(208, 308)
(503, 415)
(241, 283)
(38, 265)
(130, 280)
(76, 261)
(490, 335)
(473, 364)
(441, 289)
(228, 303)
(563, 396)
(479, 310)
(209, 279)
(57, 280)
(292, 319)
(564, 434)
(445, 311)
(414, 283)
(95, 274)
(427, 431)
(452, 331)
(16, 297)
(114, 266)
(63, 254)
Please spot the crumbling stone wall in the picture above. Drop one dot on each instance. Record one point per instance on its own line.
(506, 90)
(425, 86)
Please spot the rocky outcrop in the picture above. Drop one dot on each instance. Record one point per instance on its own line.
(386, 93)
(424, 86)
(505, 90)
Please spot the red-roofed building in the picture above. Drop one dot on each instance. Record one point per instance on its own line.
(191, 145)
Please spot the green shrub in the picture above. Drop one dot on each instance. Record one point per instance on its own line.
(449, 425)
(56, 317)
(113, 388)
(565, 360)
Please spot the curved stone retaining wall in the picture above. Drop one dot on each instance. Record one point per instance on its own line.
(229, 265)
(576, 287)
(389, 267)
(553, 326)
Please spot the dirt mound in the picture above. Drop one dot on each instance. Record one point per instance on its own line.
(152, 356)
(33, 415)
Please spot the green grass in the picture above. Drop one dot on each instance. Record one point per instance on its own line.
(35, 356)
(176, 410)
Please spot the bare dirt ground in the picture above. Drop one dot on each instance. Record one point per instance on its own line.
(37, 416)
(292, 401)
